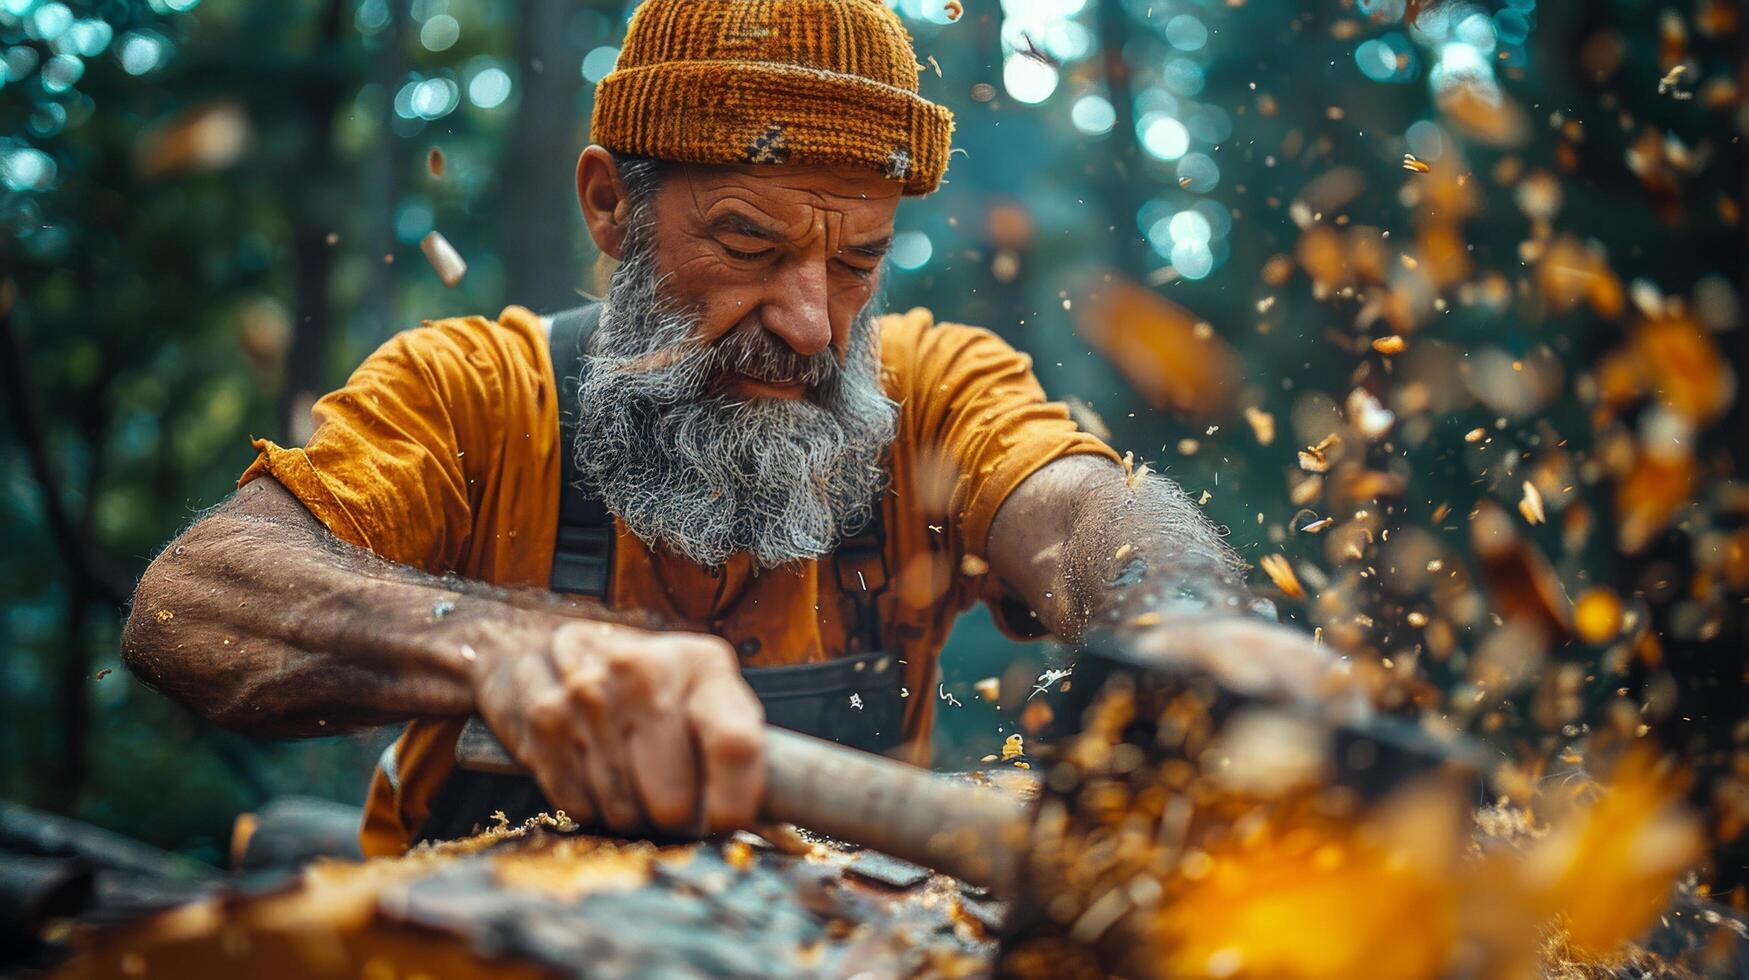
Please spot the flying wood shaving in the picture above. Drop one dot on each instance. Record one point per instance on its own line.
(1667, 84)
(1282, 574)
(1318, 526)
(935, 65)
(971, 566)
(444, 258)
(1313, 458)
(1087, 419)
(1262, 425)
(1531, 506)
(1366, 414)
(1414, 164)
(1476, 434)
(434, 162)
(1389, 345)
(1159, 349)
(953, 9)
(990, 688)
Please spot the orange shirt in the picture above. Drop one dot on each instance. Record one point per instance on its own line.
(442, 452)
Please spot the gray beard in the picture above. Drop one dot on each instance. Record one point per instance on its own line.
(707, 476)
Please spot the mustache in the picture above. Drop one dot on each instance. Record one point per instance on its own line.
(761, 355)
(748, 350)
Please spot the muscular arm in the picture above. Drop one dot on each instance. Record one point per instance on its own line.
(260, 620)
(1088, 550)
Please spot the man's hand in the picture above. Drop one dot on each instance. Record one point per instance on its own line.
(1252, 657)
(636, 729)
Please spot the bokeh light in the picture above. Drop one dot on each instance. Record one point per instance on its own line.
(911, 250)
(440, 33)
(1093, 115)
(489, 88)
(26, 168)
(1163, 136)
(141, 51)
(1186, 33)
(598, 62)
(1028, 79)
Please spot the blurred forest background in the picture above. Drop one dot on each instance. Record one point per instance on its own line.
(1495, 248)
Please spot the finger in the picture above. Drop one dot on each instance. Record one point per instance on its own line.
(548, 747)
(601, 741)
(664, 771)
(729, 728)
(566, 786)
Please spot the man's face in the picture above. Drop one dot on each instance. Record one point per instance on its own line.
(733, 400)
(792, 251)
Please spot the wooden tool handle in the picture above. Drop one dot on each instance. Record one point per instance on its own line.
(966, 831)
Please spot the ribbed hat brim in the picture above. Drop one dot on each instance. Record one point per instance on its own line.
(729, 112)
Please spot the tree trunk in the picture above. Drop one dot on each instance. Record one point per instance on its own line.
(306, 367)
(543, 270)
(1121, 197)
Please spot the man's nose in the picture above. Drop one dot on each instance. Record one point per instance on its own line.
(796, 307)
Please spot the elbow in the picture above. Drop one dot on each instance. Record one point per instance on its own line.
(166, 639)
(145, 633)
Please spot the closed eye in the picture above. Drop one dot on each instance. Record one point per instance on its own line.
(737, 254)
(860, 271)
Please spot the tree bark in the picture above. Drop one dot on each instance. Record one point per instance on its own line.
(306, 367)
(543, 270)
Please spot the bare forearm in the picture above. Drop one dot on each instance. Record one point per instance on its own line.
(1093, 548)
(258, 619)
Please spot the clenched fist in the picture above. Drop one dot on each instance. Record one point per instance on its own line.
(636, 729)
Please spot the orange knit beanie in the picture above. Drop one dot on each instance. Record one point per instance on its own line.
(830, 82)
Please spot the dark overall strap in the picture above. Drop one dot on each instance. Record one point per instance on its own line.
(583, 546)
(856, 699)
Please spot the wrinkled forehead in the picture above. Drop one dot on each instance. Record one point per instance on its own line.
(795, 201)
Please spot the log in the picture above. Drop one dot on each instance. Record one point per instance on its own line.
(35, 833)
(35, 891)
(544, 900)
(291, 832)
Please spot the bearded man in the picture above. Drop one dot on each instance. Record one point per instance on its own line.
(796, 494)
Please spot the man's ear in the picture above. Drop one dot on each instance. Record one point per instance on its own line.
(602, 197)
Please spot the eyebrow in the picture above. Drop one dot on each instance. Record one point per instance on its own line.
(741, 225)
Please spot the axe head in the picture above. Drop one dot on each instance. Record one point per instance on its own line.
(1164, 761)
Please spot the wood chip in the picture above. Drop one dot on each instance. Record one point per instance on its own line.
(434, 163)
(443, 258)
(1282, 574)
(1531, 505)
(1262, 425)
